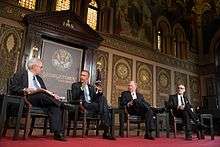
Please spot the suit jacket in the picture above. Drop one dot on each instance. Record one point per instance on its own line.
(19, 81)
(78, 94)
(173, 102)
(136, 107)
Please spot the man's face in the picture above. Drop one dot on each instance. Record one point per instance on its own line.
(84, 77)
(181, 89)
(132, 87)
(37, 68)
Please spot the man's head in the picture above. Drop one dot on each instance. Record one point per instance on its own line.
(35, 65)
(132, 86)
(181, 89)
(84, 76)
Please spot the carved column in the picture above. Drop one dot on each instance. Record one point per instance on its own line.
(200, 7)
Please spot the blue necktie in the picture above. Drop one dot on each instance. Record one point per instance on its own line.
(35, 82)
(86, 94)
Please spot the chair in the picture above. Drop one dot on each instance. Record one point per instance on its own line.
(134, 119)
(84, 116)
(28, 113)
(177, 120)
(6, 101)
(207, 117)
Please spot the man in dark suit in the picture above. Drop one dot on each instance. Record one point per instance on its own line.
(182, 107)
(29, 82)
(136, 105)
(92, 99)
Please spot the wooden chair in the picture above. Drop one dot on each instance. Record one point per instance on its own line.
(130, 119)
(28, 113)
(84, 116)
(177, 120)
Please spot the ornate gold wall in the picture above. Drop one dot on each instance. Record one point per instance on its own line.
(10, 51)
(163, 85)
(144, 80)
(157, 75)
(121, 75)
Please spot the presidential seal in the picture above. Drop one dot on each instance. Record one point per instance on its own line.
(62, 59)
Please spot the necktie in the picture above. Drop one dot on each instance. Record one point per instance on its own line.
(182, 100)
(133, 95)
(86, 94)
(35, 82)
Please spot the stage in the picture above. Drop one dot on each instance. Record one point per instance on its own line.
(93, 141)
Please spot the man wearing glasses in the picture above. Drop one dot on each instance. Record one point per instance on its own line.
(29, 82)
(182, 107)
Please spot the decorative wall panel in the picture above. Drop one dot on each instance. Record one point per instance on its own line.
(180, 78)
(195, 90)
(145, 80)
(121, 75)
(102, 66)
(10, 51)
(163, 85)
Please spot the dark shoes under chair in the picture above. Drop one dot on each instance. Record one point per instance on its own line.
(59, 137)
(108, 136)
(149, 136)
(199, 128)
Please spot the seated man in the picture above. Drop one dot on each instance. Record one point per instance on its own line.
(29, 82)
(181, 107)
(136, 105)
(92, 99)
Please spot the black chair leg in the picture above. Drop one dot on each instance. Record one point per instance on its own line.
(45, 126)
(87, 127)
(68, 127)
(138, 131)
(97, 128)
(6, 127)
(32, 126)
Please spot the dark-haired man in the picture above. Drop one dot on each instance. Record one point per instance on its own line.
(92, 99)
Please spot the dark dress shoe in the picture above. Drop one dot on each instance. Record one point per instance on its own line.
(108, 136)
(150, 137)
(59, 137)
(189, 138)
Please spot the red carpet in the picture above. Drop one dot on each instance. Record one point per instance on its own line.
(120, 142)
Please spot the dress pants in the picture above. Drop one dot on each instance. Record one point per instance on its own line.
(100, 107)
(53, 108)
(141, 108)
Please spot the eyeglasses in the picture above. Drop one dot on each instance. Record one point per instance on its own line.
(40, 66)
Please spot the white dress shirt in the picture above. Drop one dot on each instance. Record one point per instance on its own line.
(134, 95)
(31, 82)
(181, 103)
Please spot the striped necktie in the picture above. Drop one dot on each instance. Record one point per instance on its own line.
(35, 82)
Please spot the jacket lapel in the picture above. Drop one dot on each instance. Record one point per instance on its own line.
(25, 78)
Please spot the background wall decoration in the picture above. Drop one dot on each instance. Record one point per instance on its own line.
(145, 80)
(163, 85)
(195, 90)
(10, 52)
(102, 65)
(60, 68)
(122, 74)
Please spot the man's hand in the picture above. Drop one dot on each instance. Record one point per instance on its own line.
(30, 90)
(181, 107)
(130, 103)
(98, 89)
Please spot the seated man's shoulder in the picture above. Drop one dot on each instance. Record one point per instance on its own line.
(76, 84)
